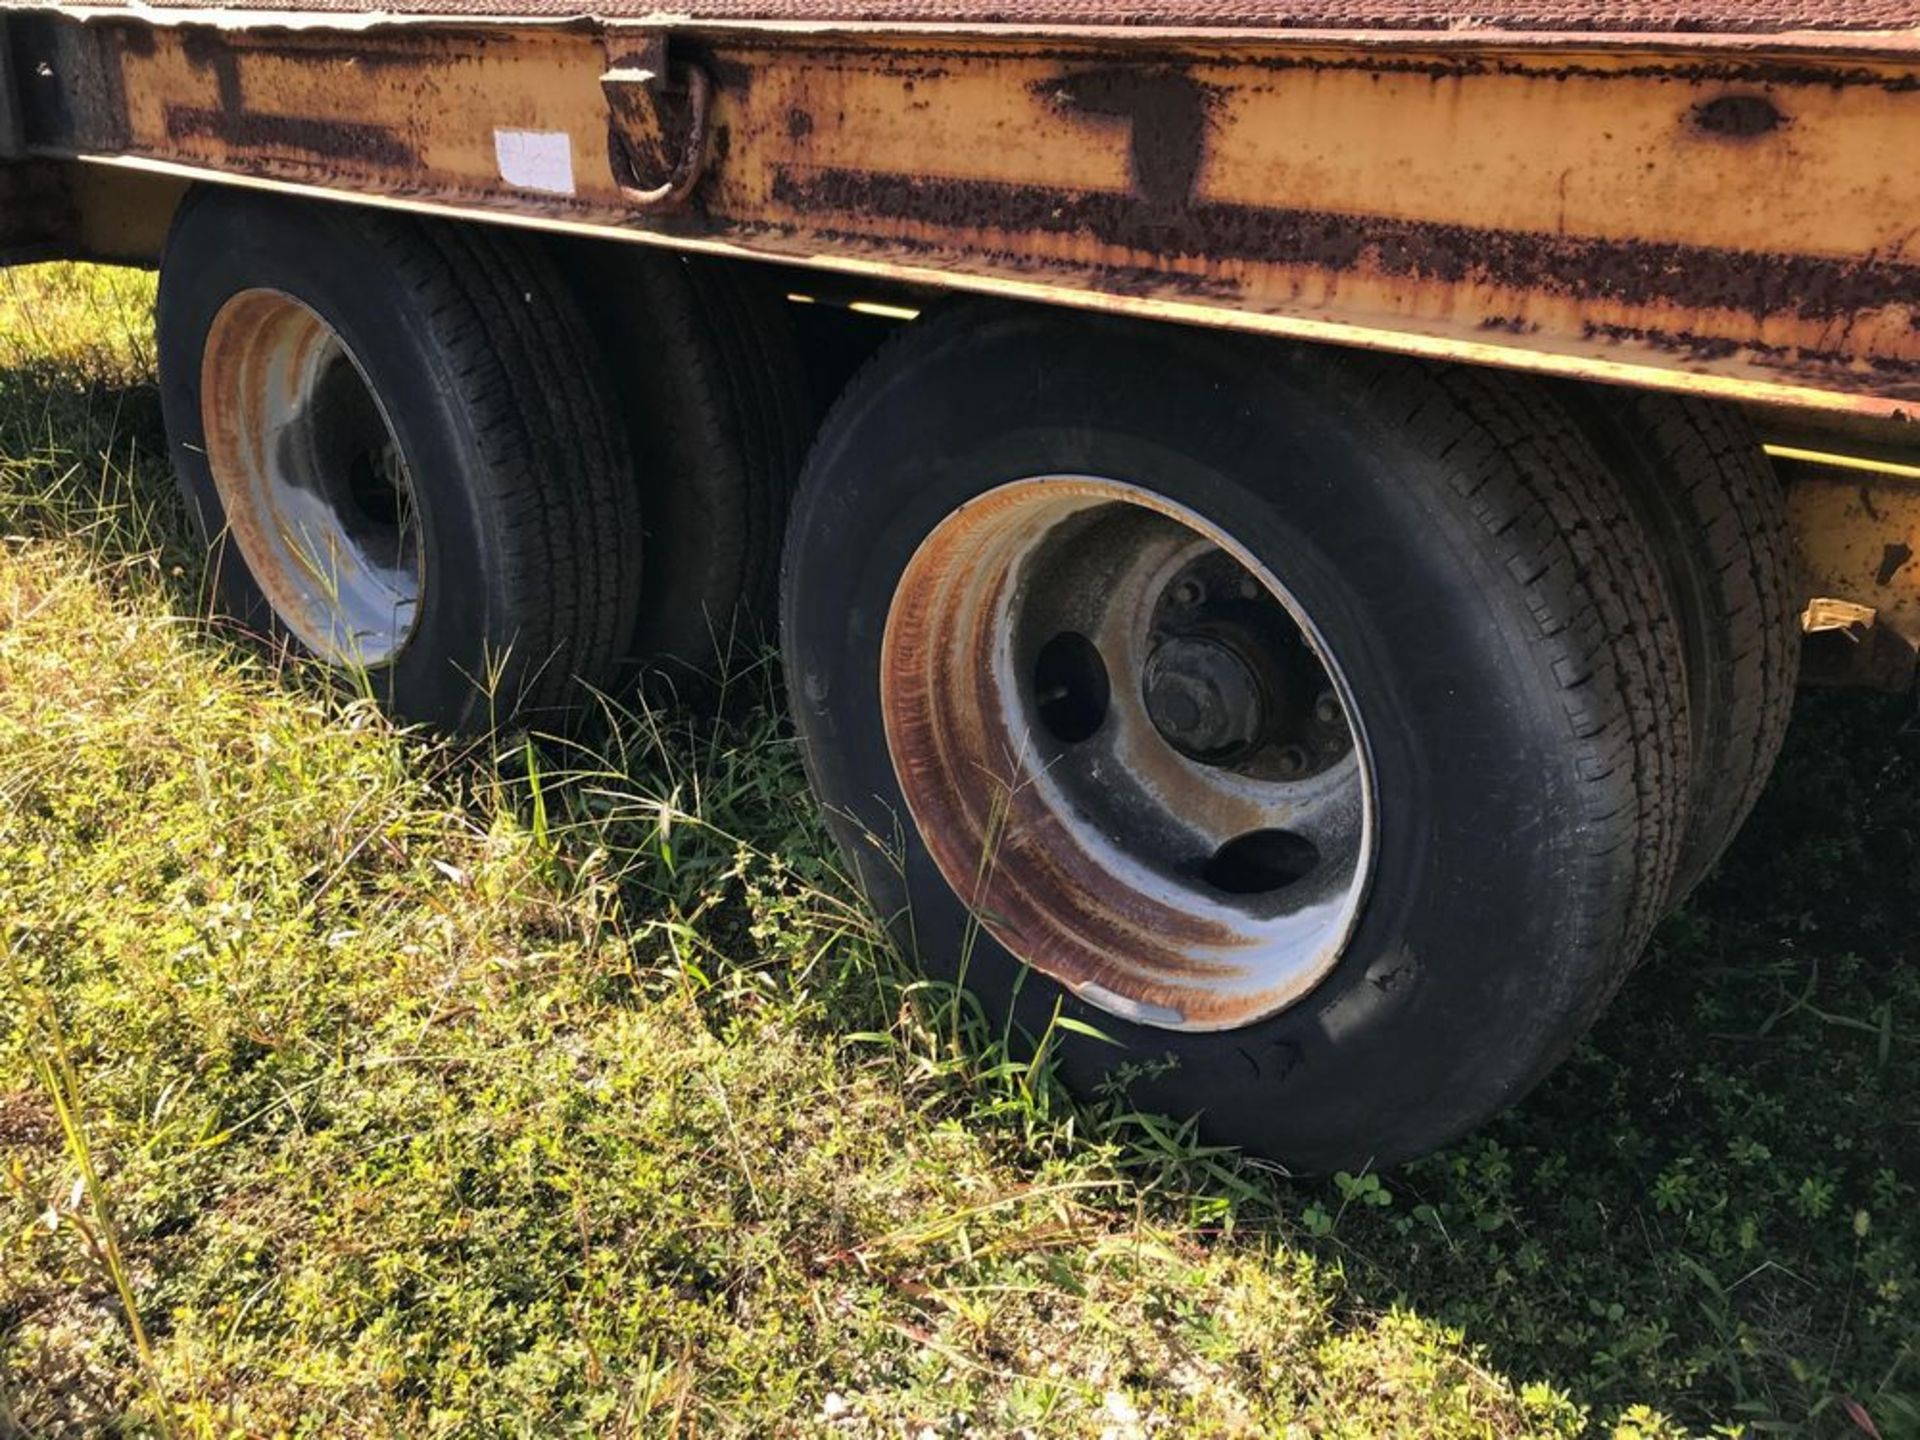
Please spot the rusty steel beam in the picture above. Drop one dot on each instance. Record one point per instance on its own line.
(1738, 220)
(1859, 538)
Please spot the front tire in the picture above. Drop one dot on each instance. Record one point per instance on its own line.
(1456, 558)
(394, 437)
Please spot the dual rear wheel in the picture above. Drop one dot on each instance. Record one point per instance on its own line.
(1325, 731)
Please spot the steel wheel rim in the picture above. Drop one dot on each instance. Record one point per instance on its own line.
(1161, 858)
(310, 474)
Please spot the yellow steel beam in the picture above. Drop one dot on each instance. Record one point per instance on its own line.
(1738, 221)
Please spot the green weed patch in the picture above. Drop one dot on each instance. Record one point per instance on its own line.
(352, 1085)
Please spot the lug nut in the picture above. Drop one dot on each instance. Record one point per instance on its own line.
(1326, 709)
(1291, 761)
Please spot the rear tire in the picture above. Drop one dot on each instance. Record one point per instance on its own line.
(351, 394)
(1717, 515)
(1476, 583)
(709, 382)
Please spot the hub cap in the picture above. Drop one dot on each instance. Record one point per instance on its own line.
(1125, 748)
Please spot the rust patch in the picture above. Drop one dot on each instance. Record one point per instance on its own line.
(311, 136)
(359, 51)
(1062, 892)
(1738, 117)
(233, 124)
(206, 49)
(1166, 112)
(136, 40)
(1622, 272)
(1892, 557)
(1750, 71)
(1757, 73)
(1832, 369)
(731, 74)
(211, 47)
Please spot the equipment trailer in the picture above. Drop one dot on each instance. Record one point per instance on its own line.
(1303, 598)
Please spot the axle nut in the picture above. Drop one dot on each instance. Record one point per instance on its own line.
(1203, 697)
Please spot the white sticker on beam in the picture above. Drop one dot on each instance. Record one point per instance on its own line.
(535, 160)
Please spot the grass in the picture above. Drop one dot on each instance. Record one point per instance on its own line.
(350, 1085)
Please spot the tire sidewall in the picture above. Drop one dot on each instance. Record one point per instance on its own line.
(1447, 1002)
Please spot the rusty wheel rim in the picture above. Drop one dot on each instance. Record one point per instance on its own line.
(1128, 750)
(316, 491)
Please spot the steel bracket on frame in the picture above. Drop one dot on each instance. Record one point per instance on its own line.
(659, 119)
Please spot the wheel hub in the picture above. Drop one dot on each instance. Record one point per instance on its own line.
(314, 486)
(1205, 698)
(1103, 714)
